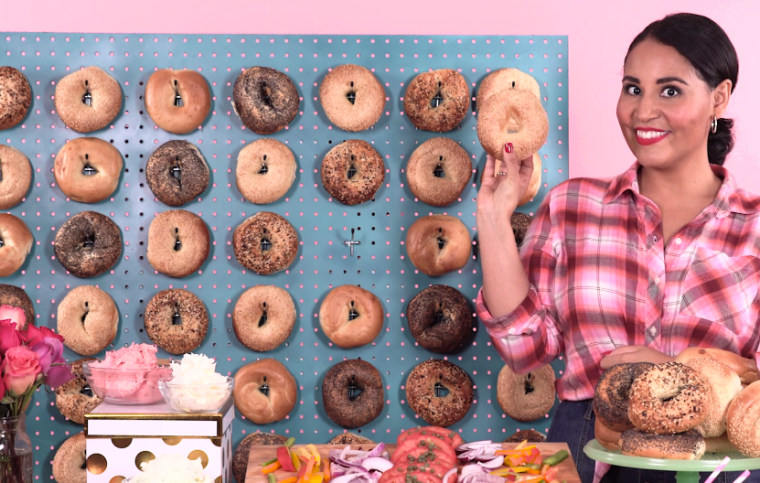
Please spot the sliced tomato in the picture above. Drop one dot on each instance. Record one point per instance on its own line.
(451, 437)
(393, 475)
(436, 468)
(424, 454)
(428, 441)
(422, 477)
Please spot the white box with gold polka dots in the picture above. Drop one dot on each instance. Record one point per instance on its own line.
(120, 438)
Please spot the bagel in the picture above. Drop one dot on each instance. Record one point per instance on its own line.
(15, 96)
(438, 171)
(438, 244)
(526, 397)
(668, 398)
(16, 242)
(512, 116)
(439, 391)
(87, 100)
(437, 101)
(178, 101)
(351, 316)
(352, 97)
(265, 391)
(352, 393)
(265, 99)
(746, 368)
(88, 169)
(15, 176)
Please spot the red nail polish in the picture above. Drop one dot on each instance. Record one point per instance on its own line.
(509, 148)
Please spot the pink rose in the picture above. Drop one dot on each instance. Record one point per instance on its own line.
(9, 336)
(2, 388)
(21, 367)
(13, 314)
(33, 335)
(50, 353)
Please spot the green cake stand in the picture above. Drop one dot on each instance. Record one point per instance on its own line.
(687, 471)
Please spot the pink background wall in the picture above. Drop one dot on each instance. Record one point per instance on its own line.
(599, 33)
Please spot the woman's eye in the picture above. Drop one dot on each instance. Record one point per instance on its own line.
(632, 90)
(670, 92)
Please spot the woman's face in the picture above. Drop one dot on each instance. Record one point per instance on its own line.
(664, 109)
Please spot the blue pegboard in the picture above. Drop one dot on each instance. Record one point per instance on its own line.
(379, 264)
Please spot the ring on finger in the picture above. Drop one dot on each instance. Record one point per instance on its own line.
(501, 173)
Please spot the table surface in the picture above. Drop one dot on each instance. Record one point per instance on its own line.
(260, 454)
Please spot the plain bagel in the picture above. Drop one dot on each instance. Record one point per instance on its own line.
(351, 316)
(512, 116)
(265, 391)
(438, 244)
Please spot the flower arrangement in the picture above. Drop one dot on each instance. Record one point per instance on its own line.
(29, 357)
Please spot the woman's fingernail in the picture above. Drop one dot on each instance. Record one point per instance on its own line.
(509, 148)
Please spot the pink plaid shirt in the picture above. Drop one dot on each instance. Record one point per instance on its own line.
(602, 277)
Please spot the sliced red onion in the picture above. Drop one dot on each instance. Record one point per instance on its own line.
(452, 471)
(377, 463)
(494, 463)
(477, 474)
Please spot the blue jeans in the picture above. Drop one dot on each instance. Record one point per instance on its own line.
(573, 423)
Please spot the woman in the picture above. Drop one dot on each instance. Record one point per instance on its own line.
(640, 266)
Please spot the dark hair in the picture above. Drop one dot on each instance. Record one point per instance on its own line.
(709, 50)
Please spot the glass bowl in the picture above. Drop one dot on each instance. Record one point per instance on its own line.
(126, 387)
(196, 397)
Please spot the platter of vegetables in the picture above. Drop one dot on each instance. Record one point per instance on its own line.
(428, 454)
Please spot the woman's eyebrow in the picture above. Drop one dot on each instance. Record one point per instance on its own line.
(662, 80)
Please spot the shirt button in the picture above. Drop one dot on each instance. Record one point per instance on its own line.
(678, 240)
(654, 238)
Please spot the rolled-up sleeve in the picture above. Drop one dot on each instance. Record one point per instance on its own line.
(522, 338)
(528, 337)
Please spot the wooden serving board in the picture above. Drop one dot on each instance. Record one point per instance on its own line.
(260, 454)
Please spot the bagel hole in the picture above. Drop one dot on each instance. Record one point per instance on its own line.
(86, 310)
(264, 388)
(351, 95)
(86, 390)
(264, 168)
(438, 171)
(513, 125)
(440, 390)
(177, 242)
(175, 171)
(437, 99)
(352, 313)
(354, 391)
(263, 318)
(2, 242)
(351, 168)
(265, 243)
(176, 317)
(89, 240)
(87, 97)
(438, 317)
(88, 170)
(529, 388)
(265, 92)
(1, 170)
(440, 239)
(177, 97)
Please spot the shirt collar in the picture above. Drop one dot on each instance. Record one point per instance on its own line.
(729, 198)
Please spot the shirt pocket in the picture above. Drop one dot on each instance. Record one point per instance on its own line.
(722, 289)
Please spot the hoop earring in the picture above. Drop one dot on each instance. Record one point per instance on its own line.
(714, 125)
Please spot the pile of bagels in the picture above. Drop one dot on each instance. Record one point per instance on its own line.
(705, 401)
(510, 111)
